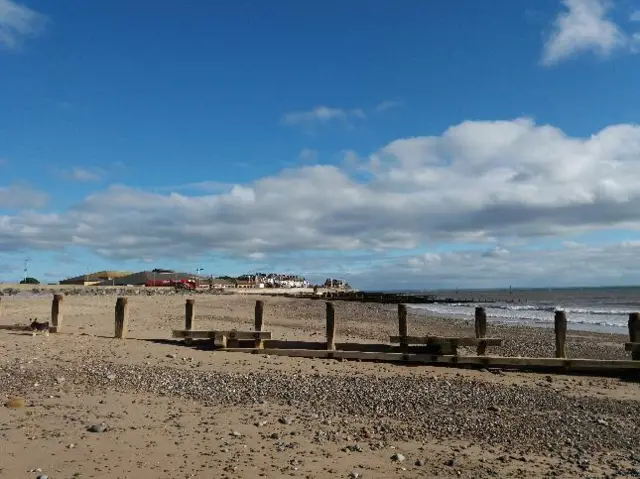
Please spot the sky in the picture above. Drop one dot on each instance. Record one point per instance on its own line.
(397, 145)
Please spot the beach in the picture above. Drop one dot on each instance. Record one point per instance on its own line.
(165, 410)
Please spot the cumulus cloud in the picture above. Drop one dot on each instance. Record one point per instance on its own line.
(17, 196)
(308, 155)
(17, 22)
(615, 263)
(479, 182)
(584, 26)
(321, 115)
(387, 105)
(82, 174)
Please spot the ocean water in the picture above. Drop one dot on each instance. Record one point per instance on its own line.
(589, 309)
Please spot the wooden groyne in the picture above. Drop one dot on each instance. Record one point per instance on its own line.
(383, 298)
(401, 347)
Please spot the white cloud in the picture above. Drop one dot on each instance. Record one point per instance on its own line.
(321, 115)
(16, 196)
(496, 183)
(614, 263)
(308, 155)
(351, 159)
(387, 105)
(209, 186)
(81, 174)
(17, 22)
(635, 16)
(584, 27)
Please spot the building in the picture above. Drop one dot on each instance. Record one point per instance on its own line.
(336, 283)
(157, 277)
(91, 279)
(221, 283)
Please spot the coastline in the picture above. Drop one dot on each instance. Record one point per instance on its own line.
(172, 410)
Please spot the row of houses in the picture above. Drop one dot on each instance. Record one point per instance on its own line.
(164, 277)
(272, 280)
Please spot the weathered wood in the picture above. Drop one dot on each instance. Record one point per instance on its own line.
(481, 329)
(56, 313)
(364, 347)
(453, 341)
(634, 334)
(632, 347)
(403, 328)
(560, 322)
(331, 327)
(565, 365)
(122, 317)
(0, 307)
(189, 313)
(258, 319)
(220, 341)
(206, 334)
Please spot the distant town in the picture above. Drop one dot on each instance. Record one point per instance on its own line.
(171, 278)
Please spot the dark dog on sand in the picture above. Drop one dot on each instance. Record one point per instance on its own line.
(37, 327)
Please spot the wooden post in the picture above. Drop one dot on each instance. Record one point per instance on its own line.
(0, 306)
(402, 327)
(481, 328)
(122, 317)
(331, 327)
(56, 313)
(189, 313)
(634, 334)
(258, 316)
(560, 321)
(189, 316)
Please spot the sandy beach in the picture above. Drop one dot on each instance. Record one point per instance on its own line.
(165, 410)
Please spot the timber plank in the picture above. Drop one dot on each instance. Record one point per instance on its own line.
(204, 334)
(601, 365)
(453, 341)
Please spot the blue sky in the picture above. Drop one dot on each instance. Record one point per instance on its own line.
(388, 143)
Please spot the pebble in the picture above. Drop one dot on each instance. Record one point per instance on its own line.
(172, 356)
(397, 457)
(530, 417)
(16, 403)
(99, 428)
(420, 463)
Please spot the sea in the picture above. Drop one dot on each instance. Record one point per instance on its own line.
(588, 309)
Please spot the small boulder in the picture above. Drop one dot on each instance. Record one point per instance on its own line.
(98, 428)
